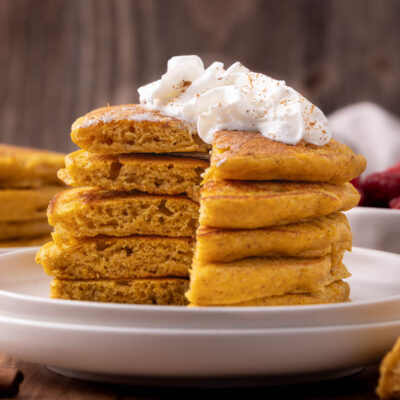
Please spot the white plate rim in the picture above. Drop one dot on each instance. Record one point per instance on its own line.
(216, 309)
(373, 210)
(194, 331)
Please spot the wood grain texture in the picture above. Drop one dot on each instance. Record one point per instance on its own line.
(61, 58)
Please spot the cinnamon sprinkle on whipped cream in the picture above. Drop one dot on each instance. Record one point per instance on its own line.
(215, 99)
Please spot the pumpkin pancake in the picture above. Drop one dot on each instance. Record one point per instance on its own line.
(160, 291)
(315, 238)
(22, 167)
(34, 241)
(132, 128)
(251, 156)
(336, 292)
(24, 229)
(82, 212)
(389, 380)
(25, 204)
(118, 257)
(250, 205)
(254, 278)
(158, 174)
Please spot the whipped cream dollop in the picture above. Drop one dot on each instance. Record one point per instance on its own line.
(216, 99)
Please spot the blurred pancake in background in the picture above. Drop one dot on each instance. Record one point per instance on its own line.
(28, 181)
(22, 167)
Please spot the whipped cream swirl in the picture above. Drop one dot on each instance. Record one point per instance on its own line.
(234, 99)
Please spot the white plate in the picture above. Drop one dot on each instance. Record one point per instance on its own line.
(179, 342)
(129, 351)
(375, 228)
(375, 283)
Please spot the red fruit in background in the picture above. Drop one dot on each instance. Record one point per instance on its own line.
(395, 168)
(356, 182)
(379, 188)
(395, 203)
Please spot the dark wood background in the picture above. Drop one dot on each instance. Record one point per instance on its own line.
(61, 58)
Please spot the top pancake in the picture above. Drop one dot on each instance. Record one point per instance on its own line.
(22, 167)
(251, 156)
(133, 128)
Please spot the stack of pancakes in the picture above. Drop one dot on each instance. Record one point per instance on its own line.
(271, 228)
(125, 232)
(271, 231)
(28, 180)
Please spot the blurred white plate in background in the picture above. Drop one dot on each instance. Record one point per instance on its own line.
(375, 228)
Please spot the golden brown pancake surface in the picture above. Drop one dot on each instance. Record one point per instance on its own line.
(389, 380)
(336, 292)
(254, 278)
(23, 167)
(255, 204)
(158, 174)
(315, 238)
(24, 229)
(251, 156)
(83, 212)
(25, 204)
(33, 241)
(158, 291)
(132, 128)
(124, 257)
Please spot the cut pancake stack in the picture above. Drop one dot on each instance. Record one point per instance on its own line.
(125, 232)
(28, 180)
(271, 228)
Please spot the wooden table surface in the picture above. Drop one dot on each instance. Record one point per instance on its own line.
(40, 383)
